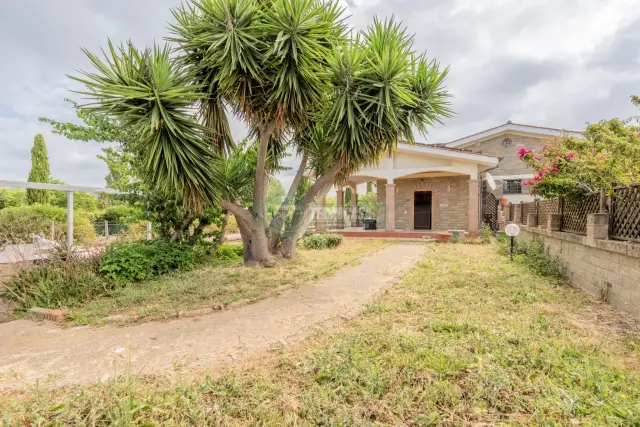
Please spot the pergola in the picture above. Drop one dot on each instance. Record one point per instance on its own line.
(70, 189)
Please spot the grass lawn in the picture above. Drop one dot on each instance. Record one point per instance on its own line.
(218, 285)
(465, 339)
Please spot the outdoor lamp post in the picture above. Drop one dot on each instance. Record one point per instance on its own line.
(512, 230)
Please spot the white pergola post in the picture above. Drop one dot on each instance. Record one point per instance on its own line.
(69, 219)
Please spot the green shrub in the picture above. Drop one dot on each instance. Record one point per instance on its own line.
(486, 234)
(18, 224)
(11, 198)
(229, 252)
(322, 241)
(64, 279)
(132, 262)
(123, 214)
(238, 249)
(225, 252)
(534, 255)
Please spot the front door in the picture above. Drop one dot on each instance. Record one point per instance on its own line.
(422, 210)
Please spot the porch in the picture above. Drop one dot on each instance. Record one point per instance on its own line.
(420, 190)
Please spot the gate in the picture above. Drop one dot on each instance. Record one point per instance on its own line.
(490, 210)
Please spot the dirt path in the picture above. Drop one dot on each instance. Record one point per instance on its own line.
(53, 356)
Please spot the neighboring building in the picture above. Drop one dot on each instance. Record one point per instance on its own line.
(504, 141)
(424, 187)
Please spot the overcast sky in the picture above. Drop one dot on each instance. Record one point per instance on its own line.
(557, 63)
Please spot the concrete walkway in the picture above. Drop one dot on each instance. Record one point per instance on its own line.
(55, 357)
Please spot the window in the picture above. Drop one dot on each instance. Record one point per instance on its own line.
(512, 186)
(507, 142)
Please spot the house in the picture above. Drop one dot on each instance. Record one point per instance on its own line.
(439, 187)
(504, 141)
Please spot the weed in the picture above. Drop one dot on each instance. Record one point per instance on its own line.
(65, 279)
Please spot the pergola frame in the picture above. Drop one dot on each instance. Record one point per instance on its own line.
(70, 189)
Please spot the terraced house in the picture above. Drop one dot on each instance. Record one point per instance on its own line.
(425, 188)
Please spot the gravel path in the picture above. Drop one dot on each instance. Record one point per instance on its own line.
(56, 357)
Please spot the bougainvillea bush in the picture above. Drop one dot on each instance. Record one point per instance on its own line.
(608, 156)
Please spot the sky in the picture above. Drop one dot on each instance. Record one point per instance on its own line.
(556, 63)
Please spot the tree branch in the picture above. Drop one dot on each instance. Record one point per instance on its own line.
(241, 214)
(186, 223)
(277, 222)
(321, 186)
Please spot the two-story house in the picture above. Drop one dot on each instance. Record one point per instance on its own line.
(439, 187)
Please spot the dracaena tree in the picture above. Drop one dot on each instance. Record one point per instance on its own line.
(290, 70)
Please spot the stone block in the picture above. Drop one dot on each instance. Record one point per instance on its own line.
(48, 314)
(554, 221)
(532, 220)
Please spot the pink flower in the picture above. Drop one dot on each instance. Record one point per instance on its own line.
(571, 155)
(538, 158)
(523, 152)
(554, 169)
(527, 183)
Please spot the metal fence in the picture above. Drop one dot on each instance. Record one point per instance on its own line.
(350, 216)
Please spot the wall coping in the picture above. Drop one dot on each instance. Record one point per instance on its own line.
(616, 246)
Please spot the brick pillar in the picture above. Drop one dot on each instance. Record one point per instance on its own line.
(391, 207)
(354, 206)
(554, 221)
(320, 216)
(340, 208)
(473, 206)
(598, 226)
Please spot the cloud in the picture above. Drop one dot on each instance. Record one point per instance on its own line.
(542, 62)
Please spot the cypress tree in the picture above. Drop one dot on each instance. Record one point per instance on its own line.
(39, 171)
(369, 187)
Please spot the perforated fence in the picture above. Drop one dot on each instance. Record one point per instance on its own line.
(574, 213)
(545, 209)
(625, 214)
(623, 207)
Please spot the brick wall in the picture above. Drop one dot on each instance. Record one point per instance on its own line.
(450, 201)
(592, 264)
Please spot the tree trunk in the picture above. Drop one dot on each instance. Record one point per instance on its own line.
(185, 224)
(254, 237)
(260, 186)
(197, 232)
(278, 221)
(223, 232)
(299, 222)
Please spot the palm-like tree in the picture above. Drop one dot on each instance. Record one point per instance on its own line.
(289, 70)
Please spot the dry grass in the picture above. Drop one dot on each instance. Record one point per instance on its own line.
(465, 339)
(219, 285)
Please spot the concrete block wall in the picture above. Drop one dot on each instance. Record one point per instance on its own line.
(593, 264)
